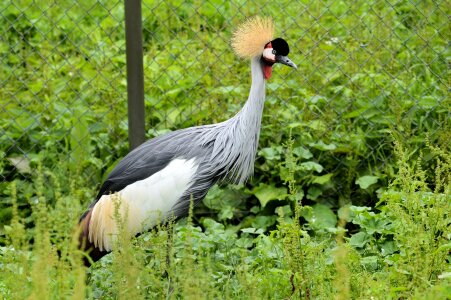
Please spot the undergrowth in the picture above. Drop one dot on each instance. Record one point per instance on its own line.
(401, 250)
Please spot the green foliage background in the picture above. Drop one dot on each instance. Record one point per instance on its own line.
(356, 139)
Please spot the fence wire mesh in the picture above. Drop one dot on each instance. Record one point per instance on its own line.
(365, 69)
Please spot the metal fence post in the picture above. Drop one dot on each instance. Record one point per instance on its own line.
(135, 76)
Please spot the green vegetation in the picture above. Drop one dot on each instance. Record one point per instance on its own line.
(351, 197)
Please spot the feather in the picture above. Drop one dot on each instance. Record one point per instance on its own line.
(250, 38)
(141, 204)
(223, 152)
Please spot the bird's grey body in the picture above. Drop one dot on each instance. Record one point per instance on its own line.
(219, 152)
(223, 151)
(159, 179)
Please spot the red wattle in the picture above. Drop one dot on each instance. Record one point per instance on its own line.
(267, 71)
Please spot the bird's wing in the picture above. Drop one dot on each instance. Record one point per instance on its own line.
(141, 163)
(150, 158)
(132, 169)
(144, 161)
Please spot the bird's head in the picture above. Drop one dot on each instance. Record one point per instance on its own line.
(254, 38)
(275, 51)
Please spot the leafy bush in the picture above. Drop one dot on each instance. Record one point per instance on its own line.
(402, 250)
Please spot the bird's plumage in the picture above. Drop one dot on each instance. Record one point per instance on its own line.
(142, 204)
(221, 152)
(158, 179)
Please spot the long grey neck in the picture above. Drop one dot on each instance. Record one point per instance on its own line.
(253, 109)
(247, 124)
(236, 140)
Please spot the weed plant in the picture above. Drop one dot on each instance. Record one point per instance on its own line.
(402, 253)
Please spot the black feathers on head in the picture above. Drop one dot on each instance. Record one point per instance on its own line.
(281, 46)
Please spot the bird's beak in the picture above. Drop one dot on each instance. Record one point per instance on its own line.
(285, 60)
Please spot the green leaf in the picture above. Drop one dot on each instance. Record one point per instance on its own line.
(366, 181)
(317, 125)
(244, 242)
(359, 239)
(323, 179)
(359, 209)
(314, 192)
(311, 166)
(428, 102)
(266, 193)
(284, 211)
(321, 217)
(296, 197)
(255, 209)
(375, 223)
(222, 198)
(226, 213)
(370, 221)
(369, 263)
(388, 247)
(252, 230)
(264, 222)
(302, 152)
(317, 98)
(322, 146)
(271, 153)
(212, 226)
(295, 124)
(355, 113)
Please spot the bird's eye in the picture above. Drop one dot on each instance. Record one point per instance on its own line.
(274, 51)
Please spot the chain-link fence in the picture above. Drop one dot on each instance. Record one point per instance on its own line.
(366, 69)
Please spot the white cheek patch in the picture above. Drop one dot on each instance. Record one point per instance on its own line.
(268, 55)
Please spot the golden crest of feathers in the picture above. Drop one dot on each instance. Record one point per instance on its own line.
(250, 38)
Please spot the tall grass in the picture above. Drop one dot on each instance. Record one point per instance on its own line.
(183, 260)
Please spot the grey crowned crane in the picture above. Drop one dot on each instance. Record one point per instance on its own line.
(158, 179)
